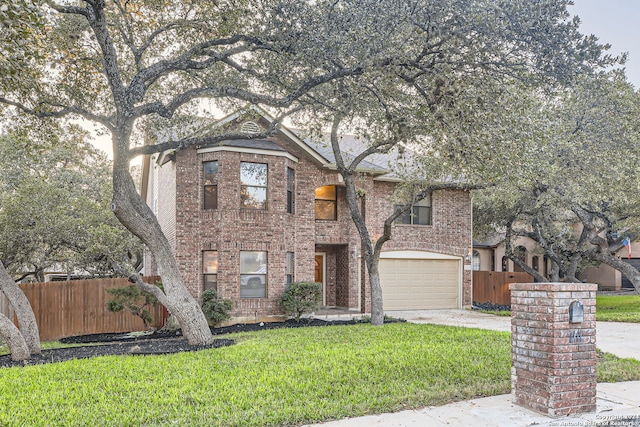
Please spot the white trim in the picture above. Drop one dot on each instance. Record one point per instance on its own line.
(324, 276)
(248, 150)
(416, 255)
(385, 178)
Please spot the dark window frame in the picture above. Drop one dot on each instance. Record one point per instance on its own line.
(248, 287)
(208, 276)
(244, 185)
(291, 179)
(210, 186)
(418, 214)
(328, 202)
(289, 261)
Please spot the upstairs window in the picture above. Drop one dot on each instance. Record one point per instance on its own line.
(253, 188)
(210, 269)
(419, 214)
(291, 178)
(210, 184)
(327, 202)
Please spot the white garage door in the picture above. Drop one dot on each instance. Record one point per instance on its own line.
(417, 284)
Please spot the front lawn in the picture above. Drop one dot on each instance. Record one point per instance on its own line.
(618, 308)
(279, 377)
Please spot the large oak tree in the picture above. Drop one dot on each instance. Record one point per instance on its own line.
(450, 84)
(576, 195)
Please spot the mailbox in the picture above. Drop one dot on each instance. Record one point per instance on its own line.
(576, 312)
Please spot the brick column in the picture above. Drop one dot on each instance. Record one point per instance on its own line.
(553, 360)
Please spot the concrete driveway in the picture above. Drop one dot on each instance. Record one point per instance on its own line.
(621, 339)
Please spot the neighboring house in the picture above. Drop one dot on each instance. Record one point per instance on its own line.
(489, 255)
(249, 217)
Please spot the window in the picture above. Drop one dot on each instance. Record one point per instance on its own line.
(475, 261)
(289, 269)
(211, 185)
(210, 269)
(253, 274)
(521, 253)
(535, 263)
(419, 214)
(326, 202)
(291, 177)
(505, 265)
(253, 188)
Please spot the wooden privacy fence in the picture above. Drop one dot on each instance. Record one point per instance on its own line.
(79, 307)
(493, 286)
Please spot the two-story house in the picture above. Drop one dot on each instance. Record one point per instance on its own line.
(249, 217)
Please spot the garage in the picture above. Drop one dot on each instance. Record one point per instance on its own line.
(413, 280)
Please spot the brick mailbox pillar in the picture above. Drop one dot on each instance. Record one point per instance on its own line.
(553, 347)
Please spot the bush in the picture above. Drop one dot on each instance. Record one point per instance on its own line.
(214, 309)
(134, 300)
(301, 298)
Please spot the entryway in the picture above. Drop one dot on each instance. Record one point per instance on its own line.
(320, 267)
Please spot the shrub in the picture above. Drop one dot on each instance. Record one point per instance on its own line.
(215, 310)
(134, 300)
(301, 298)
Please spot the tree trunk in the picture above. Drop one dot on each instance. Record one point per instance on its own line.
(600, 251)
(509, 253)
(138, 218)
(377, 312)
(22, 307)
(627, 269)
(371, 260)
(14, 339)
(554, 272)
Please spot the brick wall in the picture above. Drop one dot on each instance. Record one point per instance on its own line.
(553, 360)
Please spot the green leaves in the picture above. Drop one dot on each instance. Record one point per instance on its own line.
(54, 204)
(583, 159)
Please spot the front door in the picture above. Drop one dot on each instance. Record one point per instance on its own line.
(319, 274)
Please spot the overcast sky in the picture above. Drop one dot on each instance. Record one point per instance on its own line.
(615, 22)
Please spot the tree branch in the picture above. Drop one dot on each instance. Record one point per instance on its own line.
(169, 109)
(62, 112)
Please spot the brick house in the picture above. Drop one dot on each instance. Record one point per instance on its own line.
(250, 217)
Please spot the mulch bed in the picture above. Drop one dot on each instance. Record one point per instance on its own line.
(148, 344)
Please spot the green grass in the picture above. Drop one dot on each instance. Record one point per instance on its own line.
(504, 313)
(271, 378)
(618, 308)
(279, 377)
(612, 369)
(609, 308)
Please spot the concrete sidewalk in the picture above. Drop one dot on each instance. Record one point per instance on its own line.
(618, 404)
